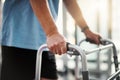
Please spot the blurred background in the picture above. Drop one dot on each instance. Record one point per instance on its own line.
(103, 17)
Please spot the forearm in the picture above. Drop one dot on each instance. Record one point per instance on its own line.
(75, 12)
(42, 12)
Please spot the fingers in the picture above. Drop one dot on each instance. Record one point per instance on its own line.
(94, 39)
(98, 39)
(57, 44)
(58, 48)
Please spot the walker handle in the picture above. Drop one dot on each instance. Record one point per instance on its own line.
(102, 41)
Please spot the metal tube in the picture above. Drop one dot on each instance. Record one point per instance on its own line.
(81, 53)
(99, 49)
(114, 75)
(39, 61)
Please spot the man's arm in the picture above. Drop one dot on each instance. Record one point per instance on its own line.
(55, 41)
(40, 8)
(75, 11)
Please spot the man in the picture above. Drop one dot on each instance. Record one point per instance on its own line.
(27, 24)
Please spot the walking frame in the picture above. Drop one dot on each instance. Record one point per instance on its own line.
(78, 51)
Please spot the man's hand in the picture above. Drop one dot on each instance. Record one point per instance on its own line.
(92, 37)
(56, 43)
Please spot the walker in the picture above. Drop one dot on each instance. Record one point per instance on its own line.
(76, 50)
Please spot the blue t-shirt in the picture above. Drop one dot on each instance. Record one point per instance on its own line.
(20, 27)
